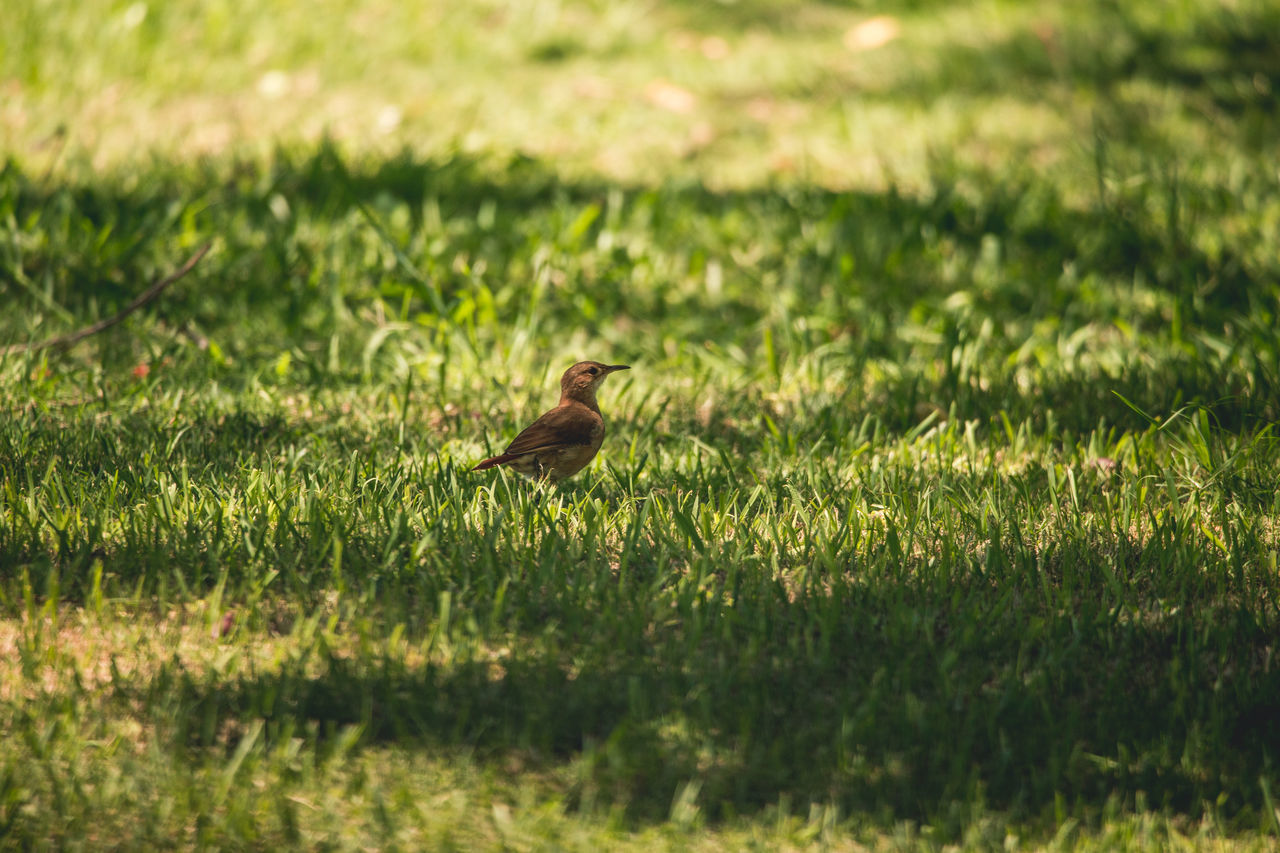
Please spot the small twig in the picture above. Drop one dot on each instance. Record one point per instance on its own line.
(184, 330)
(193, 334)
(60, 137)
(147, 296)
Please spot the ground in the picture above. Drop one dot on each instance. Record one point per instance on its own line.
(938, 508)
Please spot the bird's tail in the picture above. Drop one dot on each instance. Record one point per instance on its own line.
(493, 462)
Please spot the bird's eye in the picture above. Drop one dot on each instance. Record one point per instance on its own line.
(593, 371)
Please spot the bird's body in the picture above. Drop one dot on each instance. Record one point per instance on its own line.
(561, 442)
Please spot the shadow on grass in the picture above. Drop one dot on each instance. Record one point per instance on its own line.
(85, 447)
(110, 490)
(863, 268)
(906, 700)
(1069, 405)
(1224, 57)
(491, 210)
(1227, 55)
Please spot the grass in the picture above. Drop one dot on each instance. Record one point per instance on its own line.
(938, 509)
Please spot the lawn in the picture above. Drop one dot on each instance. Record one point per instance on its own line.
(939, 507)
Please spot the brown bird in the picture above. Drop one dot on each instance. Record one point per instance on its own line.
(561, 442)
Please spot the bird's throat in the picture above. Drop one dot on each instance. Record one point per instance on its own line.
(584, 396)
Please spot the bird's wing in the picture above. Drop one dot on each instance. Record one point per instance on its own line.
(560, 427)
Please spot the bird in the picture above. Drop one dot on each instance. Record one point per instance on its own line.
(561, 442)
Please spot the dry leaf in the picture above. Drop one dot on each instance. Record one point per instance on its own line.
(389, 118)
(596, 88)
(761, 109)
(872, 33)
(714, 47)
(702, 134)
(225, 624)
(273, 85)
(668, 96)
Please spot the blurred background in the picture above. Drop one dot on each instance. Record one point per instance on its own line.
(730, 92)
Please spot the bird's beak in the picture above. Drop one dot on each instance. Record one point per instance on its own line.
(610, 368)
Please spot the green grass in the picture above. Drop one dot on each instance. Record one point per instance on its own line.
(939, 507)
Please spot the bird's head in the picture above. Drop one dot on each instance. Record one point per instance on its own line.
(581, 381)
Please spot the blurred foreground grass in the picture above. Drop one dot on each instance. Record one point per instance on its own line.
(940, 506)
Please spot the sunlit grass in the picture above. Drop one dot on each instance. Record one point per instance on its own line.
(783, 92)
